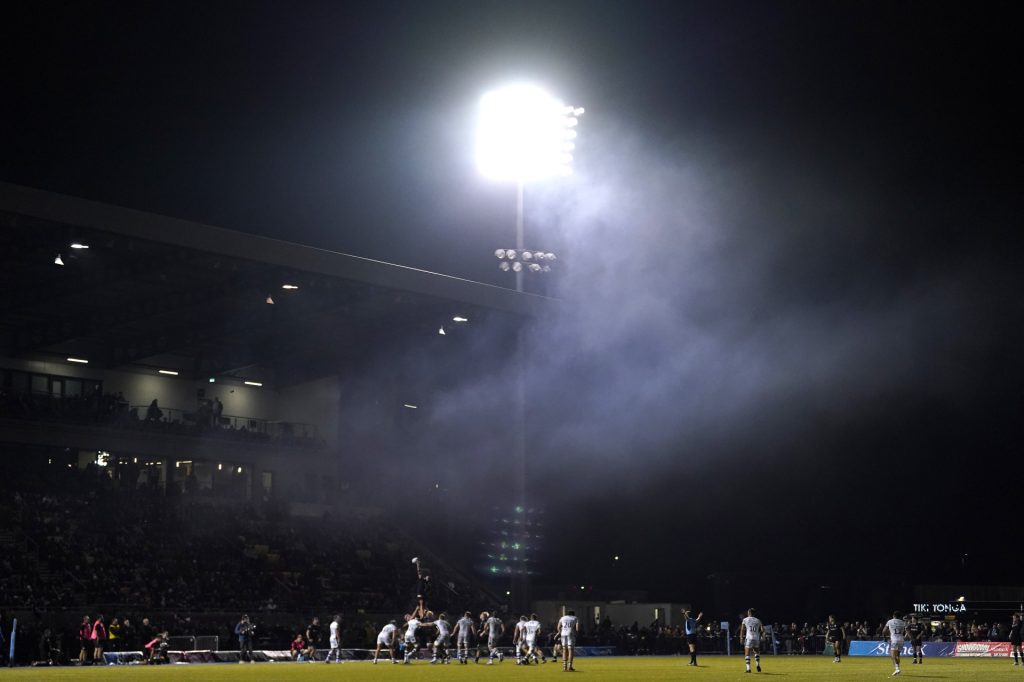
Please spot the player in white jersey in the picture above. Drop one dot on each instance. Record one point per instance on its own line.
(897, 629)
(335, 641)
(531, 630)
(751, 634)
(412, 645)
(386, 638)
(518, 640)
(464, 631)
(442, 642)
(568, 627)
(494, 628)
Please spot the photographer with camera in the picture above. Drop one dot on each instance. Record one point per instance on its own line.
(245, 631)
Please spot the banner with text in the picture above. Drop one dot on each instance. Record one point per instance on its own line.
(859, 648)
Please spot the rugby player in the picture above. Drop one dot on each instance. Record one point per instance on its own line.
(494, 628)
(464, 629)
(836, 637)
(917, 632)
(751, 634)
(897, 629)
(386, 638)
(568, 626)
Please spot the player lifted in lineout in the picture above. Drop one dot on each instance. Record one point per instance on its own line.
(464, 631)
(495, 630)
(751, 634)
(568, 627)
(897, 629)
(423, 585)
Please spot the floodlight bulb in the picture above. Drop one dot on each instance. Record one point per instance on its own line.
(504, 266)
(527, 255)
(551, 256)
(441, 331)
(517, 267)
(500, 253)
(511, 254)
(547, 268)
(534, 267)
(270, 300)
(78, 245)
(58, 260)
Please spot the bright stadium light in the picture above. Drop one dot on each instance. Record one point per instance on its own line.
(58, 260)
(521, 134)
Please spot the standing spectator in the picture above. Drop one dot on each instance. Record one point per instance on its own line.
(85, 639)
(153, 412)
(218, 410)
(99, 639)
(244, 631)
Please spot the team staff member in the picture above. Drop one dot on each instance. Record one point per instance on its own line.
(244, 631)
(691, 627)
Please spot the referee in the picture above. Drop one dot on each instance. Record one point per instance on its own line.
(690, 625)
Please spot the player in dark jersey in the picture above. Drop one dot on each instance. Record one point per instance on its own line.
(837, 637)
(1018, 655)
(916, 632)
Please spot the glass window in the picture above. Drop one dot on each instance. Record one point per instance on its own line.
(72, 388)
(40, 383)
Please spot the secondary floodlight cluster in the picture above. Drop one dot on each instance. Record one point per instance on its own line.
(525, 261)
(525, 134)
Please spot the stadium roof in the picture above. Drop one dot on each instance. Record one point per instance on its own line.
(150, 286)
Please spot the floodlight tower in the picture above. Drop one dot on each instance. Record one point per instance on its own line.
(524, 135)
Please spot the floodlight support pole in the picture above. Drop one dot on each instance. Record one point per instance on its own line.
(519, 232)
(520, 582)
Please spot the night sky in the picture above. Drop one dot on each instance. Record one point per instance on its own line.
(791, 330)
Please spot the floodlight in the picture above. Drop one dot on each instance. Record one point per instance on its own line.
(78, 245)
(459, 318)
(500, 253)
(270, 300)
(511, 254)
(290, 287)
(504, 266)
(58, 260)
(520, 132)
(441, 332)
(527, 255)
(517, 267)
(551, 256)
(534, 267)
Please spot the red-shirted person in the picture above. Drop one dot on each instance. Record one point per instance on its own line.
(99, 638)
(85, 639)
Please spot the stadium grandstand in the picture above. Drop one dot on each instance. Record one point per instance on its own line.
(196, 422)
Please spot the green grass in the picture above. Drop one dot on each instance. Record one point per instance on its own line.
(712, 669)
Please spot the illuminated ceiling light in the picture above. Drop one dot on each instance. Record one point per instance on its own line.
(411, 407)
(78, 245)
(253, 383)
(520, 133)
(442, 332)
(213, 380)
(168, 372)
(238, 470)
(220, 467)
(290, 287)
(81, 361)
(58, 260)
(270, 300)
(458, 318)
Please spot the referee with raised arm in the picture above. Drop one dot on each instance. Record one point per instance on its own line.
(690, 627)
